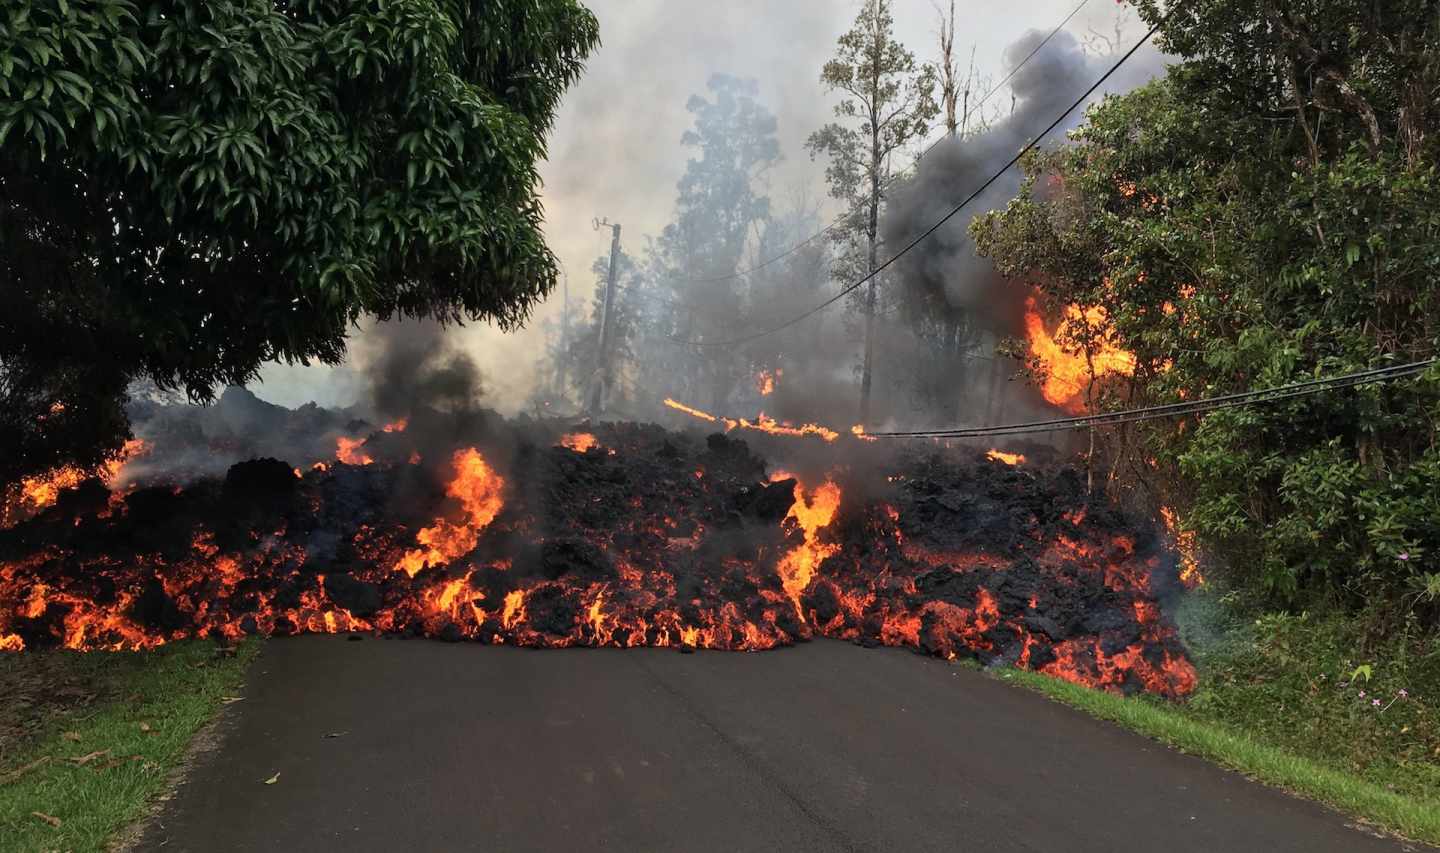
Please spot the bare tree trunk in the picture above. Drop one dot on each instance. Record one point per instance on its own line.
(871, 228)
(1299, 97)
(949, 85)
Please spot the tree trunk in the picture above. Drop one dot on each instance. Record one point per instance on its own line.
(871, 228)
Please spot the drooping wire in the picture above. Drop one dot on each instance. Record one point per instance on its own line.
(1227, 401)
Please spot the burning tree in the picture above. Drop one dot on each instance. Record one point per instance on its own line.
(1310, 255)
(190, 189)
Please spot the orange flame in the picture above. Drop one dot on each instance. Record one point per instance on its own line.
(348, 450)
(765, 423)
(396, 426)
(859, 432)
(1068, 374)
(1189, 551)
(514, 611)
(37, 493)
(765, 381)
(797, 568)
(578, 441)
(693, 412)
(1007, 458)
(478, 489)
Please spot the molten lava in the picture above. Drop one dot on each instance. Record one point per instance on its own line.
(478, 489)
(1068, 374)
(348, 450)
(797, 568)
(666, 540)
(36, 493)
(578, 441)
(1007, 458)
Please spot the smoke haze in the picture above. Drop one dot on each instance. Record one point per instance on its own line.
(615, 152)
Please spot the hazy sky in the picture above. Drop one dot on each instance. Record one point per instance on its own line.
(615, 151)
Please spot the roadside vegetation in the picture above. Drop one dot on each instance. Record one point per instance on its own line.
(87, 740)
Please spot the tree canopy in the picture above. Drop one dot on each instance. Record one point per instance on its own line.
(190, 189)
(1267, 213)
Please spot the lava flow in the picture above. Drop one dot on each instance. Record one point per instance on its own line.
(527, 535)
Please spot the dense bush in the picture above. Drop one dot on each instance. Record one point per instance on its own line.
(1267, 213)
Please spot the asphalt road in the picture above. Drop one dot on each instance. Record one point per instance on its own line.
(400, 745)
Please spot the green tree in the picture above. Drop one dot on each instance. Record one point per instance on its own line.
(190, 189)
(1268, 213)
(888, 101)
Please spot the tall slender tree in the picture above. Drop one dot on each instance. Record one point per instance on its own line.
(888, 101)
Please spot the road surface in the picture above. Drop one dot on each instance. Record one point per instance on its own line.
(400, 745)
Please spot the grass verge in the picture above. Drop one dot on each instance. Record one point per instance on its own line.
(1290, 701)
(73, 773)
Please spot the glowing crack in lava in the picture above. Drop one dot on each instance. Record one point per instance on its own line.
(578, 441)
(668, 541)
(348, 450)
(36, 493)
(1067, 374)
(478, 489)
(1007, 458)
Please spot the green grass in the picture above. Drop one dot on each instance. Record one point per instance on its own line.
(141, 712)
(1279, 701)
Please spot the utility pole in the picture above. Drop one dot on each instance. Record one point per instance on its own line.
(600, 384)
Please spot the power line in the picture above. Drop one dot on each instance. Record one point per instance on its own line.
(893, 179)
(946, 218)
(1210, 404)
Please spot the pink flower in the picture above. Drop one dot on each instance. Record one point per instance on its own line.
(1403, 693)
(1362, 694)
(1403, 555)
(1375, 702)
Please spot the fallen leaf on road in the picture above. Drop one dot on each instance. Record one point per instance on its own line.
(336, 734)
(21, 771)
(273, 779)
(50, 819)
(71, 736)
(228, 699)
